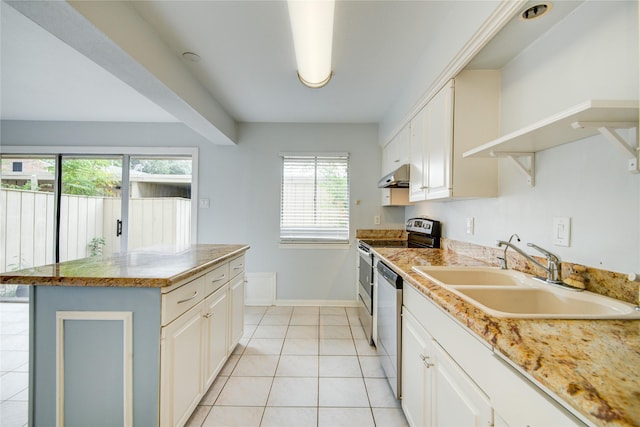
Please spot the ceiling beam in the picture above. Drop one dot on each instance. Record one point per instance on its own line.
(114, 35)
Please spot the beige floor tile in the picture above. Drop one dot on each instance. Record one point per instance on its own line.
(289, 391)
(302, 331)
(340, 366)
(346, 417)
(270, 331)
(364, 348)
(300, 346)
(255, 309)
(335, 332)
(245, 391)
(279, 309)
(297, 366)
(306, 310)
(336, 347)
(334, 320)
(357, 333)
(228, 367)
(212, 394)
(343, 392)
(264, 346)
(380, 393)
(305, 319)
(289, 417)
(256, 365)
(233, 416)
(275, 319)
(198, 416)
(371, 367)
(252, 319)
(389, 417)
(333, 311)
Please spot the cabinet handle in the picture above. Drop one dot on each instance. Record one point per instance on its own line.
(423, 187)
(195, 294)
(208, 315)
(217, 279)
(238, 267)
(424, 360)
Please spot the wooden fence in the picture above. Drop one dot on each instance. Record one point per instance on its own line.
(27, 224)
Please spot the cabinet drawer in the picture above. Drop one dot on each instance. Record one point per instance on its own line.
(216, 278)
(236, 266)
(182, 299)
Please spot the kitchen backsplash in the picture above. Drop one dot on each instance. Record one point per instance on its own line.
(381, 234)
(608, 283)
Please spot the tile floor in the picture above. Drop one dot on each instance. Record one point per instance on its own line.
(14, 364)
(300, 366)
(295, 366)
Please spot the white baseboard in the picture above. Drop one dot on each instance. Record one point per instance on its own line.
(314, 302)
(260, 289)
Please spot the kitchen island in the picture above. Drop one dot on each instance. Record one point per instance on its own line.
(131, 339)
(587, 366)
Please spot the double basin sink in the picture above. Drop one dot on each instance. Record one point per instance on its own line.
(512, 294)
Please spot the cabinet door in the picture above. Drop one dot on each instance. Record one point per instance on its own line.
(181, 367)
(236, 290)
(440, 143)
(415, 371)
(216, 333)
(457, 401)
(417, 181)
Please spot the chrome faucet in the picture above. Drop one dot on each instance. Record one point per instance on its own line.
(503, 258)
(552, 268)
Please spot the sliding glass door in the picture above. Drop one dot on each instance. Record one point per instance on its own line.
(90, 206)
(64, 206)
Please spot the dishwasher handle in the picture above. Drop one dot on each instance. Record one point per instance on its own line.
(390, 276)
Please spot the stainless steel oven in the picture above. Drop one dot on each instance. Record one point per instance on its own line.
(365, 289)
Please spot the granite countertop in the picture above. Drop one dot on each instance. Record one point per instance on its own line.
(148, 268)
(593, 365)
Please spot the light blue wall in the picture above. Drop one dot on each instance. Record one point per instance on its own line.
(591, 54)
(144, 303)
(243, 185)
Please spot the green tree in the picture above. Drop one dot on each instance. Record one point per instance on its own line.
(162, 166)
(90, 177)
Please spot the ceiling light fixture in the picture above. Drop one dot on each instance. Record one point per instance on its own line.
(535, 11)
(312, 28)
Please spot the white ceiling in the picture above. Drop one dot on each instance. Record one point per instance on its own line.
(247, 61)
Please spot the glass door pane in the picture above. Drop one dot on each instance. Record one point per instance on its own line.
(90, 206)
(160, 202)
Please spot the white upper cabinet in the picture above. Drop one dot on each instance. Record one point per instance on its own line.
(462, 114)
(396, 152)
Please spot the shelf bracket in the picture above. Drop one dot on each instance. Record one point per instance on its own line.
(526, 163)
(628, 145)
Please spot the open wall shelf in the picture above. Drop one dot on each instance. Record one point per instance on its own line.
(581, 121)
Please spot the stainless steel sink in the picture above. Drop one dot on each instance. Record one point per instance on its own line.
(512, 294)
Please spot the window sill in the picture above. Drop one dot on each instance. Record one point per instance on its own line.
(344, 246)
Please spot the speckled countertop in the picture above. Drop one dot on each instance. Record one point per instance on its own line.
(593, 365)
(149, 268)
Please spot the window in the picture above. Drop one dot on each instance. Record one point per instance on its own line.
(314, 204)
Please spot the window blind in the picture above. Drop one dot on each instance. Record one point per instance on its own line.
(314, 204)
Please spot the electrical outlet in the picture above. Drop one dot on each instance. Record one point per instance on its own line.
(376, 220)
(470, 225)
(561, 231)
(204, 203)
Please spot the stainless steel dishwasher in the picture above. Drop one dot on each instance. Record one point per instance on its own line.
(389, 346)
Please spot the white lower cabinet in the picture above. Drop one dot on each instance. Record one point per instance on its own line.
(236, 290)
(203, 322)
(435, 390)
(451, 378)
(181, 354)
(216, 333)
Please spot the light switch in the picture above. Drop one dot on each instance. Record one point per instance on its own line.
(561, 231)
(470, 225)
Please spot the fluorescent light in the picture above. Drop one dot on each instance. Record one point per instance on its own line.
(312, 27)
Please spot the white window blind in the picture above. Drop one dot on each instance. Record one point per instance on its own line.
(314, 204)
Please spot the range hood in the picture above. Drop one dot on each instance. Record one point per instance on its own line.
(399, 178)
